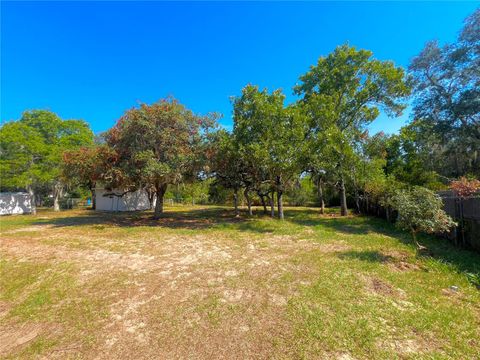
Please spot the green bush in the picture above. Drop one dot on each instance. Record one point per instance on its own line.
(420, 210)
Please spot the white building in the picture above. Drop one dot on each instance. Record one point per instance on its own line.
(119, 200)
(15, 203)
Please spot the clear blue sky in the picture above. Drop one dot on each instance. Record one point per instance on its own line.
(94, 60)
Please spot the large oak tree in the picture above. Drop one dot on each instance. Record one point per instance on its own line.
(158, 145)
(344, 92)
(447, 96)
(270, 138)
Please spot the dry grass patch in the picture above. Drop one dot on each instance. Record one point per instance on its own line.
(202, 284)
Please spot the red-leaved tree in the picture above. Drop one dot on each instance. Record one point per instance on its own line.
(158, 145)
(464, 187)
(89, 165)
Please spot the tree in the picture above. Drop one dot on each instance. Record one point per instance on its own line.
(226, 164)
(158, 145)
(447, 94)
(89, 165)
(31, 151)
(415, 155)
(367, 167)
(420, 209)
(344, 92)
(270, 138)
(302, 193)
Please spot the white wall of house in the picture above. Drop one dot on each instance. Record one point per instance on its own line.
(15, 203)
(112, 200)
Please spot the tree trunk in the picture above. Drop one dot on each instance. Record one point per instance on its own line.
(264, 204)
(57, 193)
(320, 196)
(249, 202)
(160, 192)
(280, 204)
(271, 201)
(414, 236)
(151, 198)
(235, 201)
(94, 198)
(343, 198)
(32, 199)
(357, 201)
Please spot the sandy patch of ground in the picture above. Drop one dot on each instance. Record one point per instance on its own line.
(18, 336)
(179, 290)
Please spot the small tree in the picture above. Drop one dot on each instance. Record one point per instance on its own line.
(420, 209)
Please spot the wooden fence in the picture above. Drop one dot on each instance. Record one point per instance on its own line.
(466, 212)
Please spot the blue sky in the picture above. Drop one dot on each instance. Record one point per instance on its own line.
(94, 60)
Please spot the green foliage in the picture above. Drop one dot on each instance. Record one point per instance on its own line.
(31, 148)
(218, 194)
(348, 88)
(413, 156)
(341, 94)
(302, 193)
(446, 95)
(196, 192)
(269, 138)
(269, 135)
(420, 209)
(159, 144)
(225, 161)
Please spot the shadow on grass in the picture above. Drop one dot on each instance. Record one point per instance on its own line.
(210, 217)
(352, 225)
(201, 218)
(175, 218)
(369, 256)
(438, 249)
(464, 260)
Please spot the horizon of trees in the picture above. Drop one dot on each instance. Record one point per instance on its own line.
(319, 142)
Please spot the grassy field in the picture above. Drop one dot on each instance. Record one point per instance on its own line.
(202, 284)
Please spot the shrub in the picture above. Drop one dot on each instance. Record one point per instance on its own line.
(464, 187)
(420, 209)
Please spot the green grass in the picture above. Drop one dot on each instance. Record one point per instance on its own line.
(308, 287)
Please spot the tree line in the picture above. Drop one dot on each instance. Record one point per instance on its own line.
(322, 136)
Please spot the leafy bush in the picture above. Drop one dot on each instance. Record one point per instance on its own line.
(464, 187)
(420, 209)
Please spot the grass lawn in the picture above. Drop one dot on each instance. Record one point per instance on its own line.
(202, 284)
